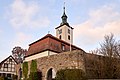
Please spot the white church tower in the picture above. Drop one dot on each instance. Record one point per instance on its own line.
(65, 31)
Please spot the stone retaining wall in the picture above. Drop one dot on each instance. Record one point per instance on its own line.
(74, 59)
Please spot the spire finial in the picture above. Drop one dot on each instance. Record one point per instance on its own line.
(64, 6)
(64, 16)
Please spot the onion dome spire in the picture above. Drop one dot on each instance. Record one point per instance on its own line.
(64, 16)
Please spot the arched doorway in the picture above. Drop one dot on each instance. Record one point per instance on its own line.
(51, 74)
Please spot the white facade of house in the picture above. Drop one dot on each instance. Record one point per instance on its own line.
(39, 55)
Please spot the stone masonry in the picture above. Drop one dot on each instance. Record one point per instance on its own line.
(73, 59)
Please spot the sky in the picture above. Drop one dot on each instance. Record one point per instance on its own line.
(25, 21)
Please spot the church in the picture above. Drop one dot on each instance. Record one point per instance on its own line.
(53, 53)
(50, 45)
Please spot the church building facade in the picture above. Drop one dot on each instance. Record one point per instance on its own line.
(50, 45)
(55, 53)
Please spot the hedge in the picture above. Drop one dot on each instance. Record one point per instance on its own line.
(71, 74)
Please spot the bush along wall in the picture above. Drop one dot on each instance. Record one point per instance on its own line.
(25, 70)
(71, 74)
(34, 73)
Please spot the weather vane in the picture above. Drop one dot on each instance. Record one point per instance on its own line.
(64, 3)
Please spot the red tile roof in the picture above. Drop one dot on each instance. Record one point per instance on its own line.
(51, 43)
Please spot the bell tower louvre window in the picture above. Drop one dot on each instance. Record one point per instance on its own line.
(69, 31)
(60, 37)
(68, 37)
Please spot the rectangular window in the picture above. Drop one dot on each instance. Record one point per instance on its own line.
(63, 47)
(10, 60)
(68, 37)
(9, 75)
(5, 65)
(9, 65)
(13, 65)
(5, 69)
(13, 69)
(9, 69)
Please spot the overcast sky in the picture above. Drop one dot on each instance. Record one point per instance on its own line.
(25, 21)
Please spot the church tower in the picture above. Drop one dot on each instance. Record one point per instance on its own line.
(64, 31)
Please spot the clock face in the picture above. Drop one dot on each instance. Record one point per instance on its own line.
(60, 31)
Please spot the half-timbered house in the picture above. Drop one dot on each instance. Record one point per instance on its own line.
(8, 67)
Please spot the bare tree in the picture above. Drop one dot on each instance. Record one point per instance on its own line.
(110, 47)
(108, 64)
(19, 53)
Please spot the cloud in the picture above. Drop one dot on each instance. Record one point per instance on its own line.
(26, 14)
(101, 22)
(22, 40)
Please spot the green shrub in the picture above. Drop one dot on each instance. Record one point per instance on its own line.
(25, 70)
(35, 76)
(34, 73)
(33, 70)
(33, 66)
(70, 74)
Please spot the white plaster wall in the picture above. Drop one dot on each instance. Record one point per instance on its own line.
(66, 34)
(39, 55)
